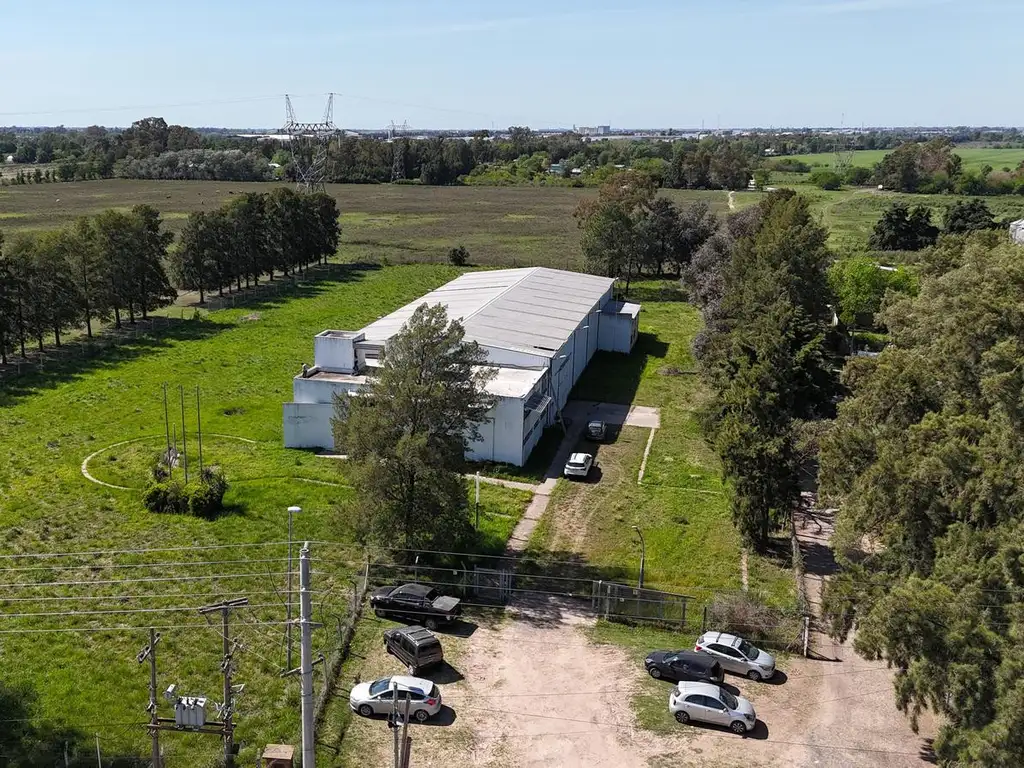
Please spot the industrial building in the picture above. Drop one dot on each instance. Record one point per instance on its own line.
(539, 328)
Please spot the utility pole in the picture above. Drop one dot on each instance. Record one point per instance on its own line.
(199, 427)
(292, 511)
(167, 422)
(149, 652)
(306, 659)
(226, 668)
(184, 443)
(406, 744)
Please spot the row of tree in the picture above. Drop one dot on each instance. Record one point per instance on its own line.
(762, 288)
(933, 167)
(905, 228)
(110, 265)
(925, 464)
(253, 235)
(629, 230)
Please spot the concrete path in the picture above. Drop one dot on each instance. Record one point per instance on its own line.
(519, 486)
(614, 413)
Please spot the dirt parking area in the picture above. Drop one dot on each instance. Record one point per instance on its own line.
(532, 689)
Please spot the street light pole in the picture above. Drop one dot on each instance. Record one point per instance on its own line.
(643, 556)
(288, 625)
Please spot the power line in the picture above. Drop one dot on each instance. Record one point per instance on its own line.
(38, 584)
(113, 612)
(139, 628)
(157, 596)
(97, 552)
(97, 566)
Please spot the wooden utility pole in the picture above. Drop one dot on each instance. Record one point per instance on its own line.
(184, 442)
(149, 652)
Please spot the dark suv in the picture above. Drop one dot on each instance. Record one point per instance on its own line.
(416, 604)
(415, 647)
(683, 665)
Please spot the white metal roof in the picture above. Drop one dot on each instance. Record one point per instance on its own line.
(534, 309)
(514, 382)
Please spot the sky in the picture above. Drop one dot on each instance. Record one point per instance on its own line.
(542, 63)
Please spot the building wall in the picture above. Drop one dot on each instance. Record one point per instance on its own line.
(618, 332)
(308, 425)
(501, 434)
(320, 390)
(334, 353)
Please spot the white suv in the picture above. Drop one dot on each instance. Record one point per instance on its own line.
(737, 655)
(578, 465)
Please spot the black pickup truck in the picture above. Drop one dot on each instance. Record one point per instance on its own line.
(415, 603)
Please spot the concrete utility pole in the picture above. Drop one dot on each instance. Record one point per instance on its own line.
(306, 659)
(226, 668)
(292, 511)
(149, 652)
(643, 556)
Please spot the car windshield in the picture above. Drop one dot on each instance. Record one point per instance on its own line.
(575, 463)
(379, 686)
(728, 699)
(748, 650)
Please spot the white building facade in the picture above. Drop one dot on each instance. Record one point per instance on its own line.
(539, 328)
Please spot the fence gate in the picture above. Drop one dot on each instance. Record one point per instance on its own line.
(492, 585)
(619, 601)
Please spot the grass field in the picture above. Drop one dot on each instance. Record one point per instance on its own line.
(506, 226)
(974, 157)
(244, 361)
(682, 505)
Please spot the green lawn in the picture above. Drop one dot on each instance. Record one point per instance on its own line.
(974, 157)
(682, 506)
(243, 360)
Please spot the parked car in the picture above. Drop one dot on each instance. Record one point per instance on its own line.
(578, 465)
(378, 697)
(737, 655)
(597, 430)
(711, 704)
(415, 647)
(683, 665)
(415, 603)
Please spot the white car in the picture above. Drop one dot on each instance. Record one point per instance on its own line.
(737, 655)
(708, 703)
(578, 465)
(377, 698)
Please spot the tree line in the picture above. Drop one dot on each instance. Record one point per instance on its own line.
(761, 285)
(254, 235)
(924, 463)
(117, 266)
(108, 266)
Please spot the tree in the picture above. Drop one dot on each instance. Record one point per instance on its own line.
(825, 178)
(658, 232)
(696, 224)
(193, 265)
(860, 284)
(406, 434)
(8, 305)
(61, 294)
(904, 229)
(149, 286)
(762, 178)
(925, 463)
(458, 256)
(857, 176)
(968, 216)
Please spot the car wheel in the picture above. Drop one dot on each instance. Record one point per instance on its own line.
(365, 710)
(655, 673)
(754, 675)
(737, 726)
(431, 624)
(421, 715)
(682, 717)
(378, 613)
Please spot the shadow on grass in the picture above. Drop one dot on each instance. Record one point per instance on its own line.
(614, 378)
(113, 348)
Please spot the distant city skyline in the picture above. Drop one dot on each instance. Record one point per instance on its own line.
(448, 64)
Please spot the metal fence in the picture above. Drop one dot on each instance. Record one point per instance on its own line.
(619, 601)
(492, 586)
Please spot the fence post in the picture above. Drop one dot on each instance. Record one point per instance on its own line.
(807, 633)
(704, 621)
(683, 621)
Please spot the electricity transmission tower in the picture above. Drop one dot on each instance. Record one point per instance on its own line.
(308, 143)
(397, 150)
(843, 150)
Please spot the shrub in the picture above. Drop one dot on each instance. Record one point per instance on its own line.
(741, 614)
(825, 178)
(200, 498)
(857, 176)
(459, 256)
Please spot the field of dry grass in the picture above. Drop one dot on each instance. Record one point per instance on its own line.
(504, 226)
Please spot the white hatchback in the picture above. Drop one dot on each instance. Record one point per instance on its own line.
(378, 697)
(578, 465)
(709, 703)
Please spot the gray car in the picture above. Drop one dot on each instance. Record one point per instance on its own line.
(708, 703)
(737, 655)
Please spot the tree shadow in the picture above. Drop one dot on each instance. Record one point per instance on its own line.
(112, 348)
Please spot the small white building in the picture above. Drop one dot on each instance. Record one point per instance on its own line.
(1017, 231)
(539, 328)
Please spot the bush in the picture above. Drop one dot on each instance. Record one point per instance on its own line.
(825, 178)
(856, 176)
(458, 256)
(789, 165)
(200, 498)
(740, 614)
